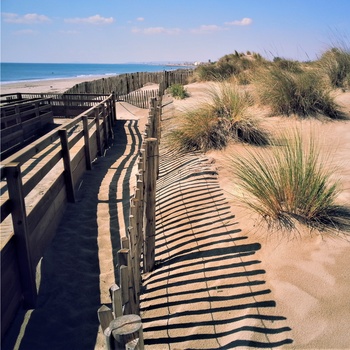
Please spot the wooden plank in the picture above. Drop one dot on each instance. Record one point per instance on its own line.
(19, 219)
(75, 139)
(46, 229)
(29, 185)
(51, 196)
(78, 166)
(34, 148)
(93, 145)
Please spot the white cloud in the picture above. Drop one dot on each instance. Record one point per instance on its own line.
(96, 19)
(243, 22)
(207, 29)
(29, 18)
(140, 19)
(156, 30)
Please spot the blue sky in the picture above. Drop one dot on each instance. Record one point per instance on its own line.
(113, 31)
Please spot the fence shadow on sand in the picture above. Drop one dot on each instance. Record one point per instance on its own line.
(208, 289)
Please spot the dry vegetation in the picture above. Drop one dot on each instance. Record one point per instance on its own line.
(285, 179)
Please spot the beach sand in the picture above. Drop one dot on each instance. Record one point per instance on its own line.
(308, 274)
(56, 86)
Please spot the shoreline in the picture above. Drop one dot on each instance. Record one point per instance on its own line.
(58, 85)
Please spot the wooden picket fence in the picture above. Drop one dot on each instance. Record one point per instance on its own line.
(121, 324)
(139, 98)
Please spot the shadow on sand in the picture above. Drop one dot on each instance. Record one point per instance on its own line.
(69, 285)
(208, 289)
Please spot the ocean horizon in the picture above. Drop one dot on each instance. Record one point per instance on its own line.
(22, 72)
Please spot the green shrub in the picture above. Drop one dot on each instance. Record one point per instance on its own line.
(178, 91)
(303, 94)
(335, 63)
(217, 122)
(290, 184)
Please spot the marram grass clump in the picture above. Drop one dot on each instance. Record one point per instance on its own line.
(291, 184)
(224, 117)
(303, 94)
(335, 63)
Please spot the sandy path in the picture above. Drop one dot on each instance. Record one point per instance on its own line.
(79, 266)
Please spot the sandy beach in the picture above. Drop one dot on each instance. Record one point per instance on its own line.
(36, 86)
(307, 274)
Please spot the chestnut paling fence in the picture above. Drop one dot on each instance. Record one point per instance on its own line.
(121, 324)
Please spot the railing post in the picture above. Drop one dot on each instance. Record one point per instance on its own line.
(105, 126)
(20, 225)
(68, 176)
(98, 131)
(87, 143)
(114, 99)
(110, 118)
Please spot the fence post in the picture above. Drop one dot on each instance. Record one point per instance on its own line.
(116, 297)
(20, 225)
(125, 330)
(87, 143)
(105, 316)
(150, 202)
(68, 176)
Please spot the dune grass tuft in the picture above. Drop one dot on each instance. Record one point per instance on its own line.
(223, 118)
(303, 94)
(335, 63)
(290, 184)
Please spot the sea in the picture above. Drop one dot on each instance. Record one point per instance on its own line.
(20, 72)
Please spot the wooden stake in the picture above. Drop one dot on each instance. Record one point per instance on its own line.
(105, 316)
(126, 329)
(116, 296)
(150, 202)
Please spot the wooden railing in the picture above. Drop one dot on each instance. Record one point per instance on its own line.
(122, 325)
(30, 210)
(22, 121)
(63, 105)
